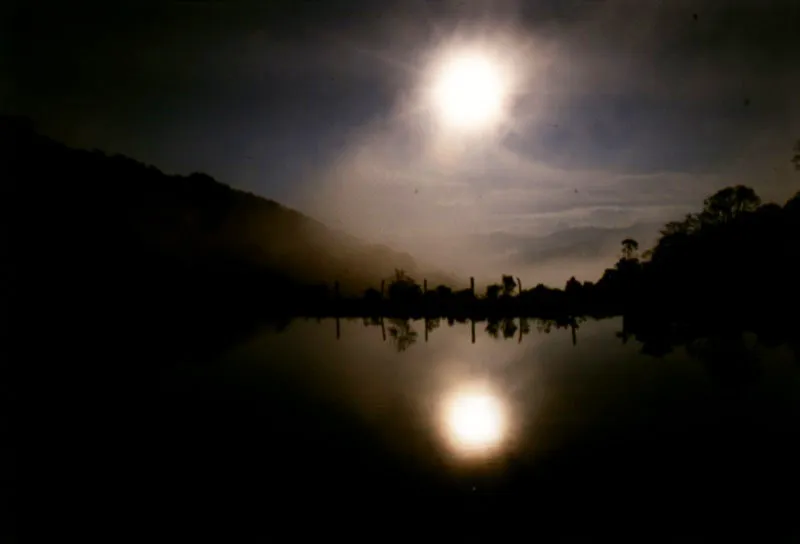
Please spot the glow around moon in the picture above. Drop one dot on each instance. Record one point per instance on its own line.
(469, 85)
(469, 91)
(474, 421)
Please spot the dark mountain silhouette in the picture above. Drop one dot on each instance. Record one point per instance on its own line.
(84, 221)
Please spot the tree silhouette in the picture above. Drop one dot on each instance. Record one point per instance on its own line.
(401, 276)
(493, 291)
(524, 325)
(573, 286)
(630, 248)
(729, 203)
(444, 292)
(509, 328)
(372, 295)
(403, 287)
(402, 333)
(493, 327)
(544, 325)
(792, 205)
(509, 286)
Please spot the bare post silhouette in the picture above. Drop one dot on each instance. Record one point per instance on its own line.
(574, 335)
(383, 330)
(625, 334)
(472, 285)
(472, 321)
(426, 329)
(424, 286)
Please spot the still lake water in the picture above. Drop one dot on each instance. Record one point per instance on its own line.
(297, 425)
(382, 435)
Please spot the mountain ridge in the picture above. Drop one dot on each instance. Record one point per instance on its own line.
(89, 202)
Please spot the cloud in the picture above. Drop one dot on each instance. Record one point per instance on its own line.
(642, 86)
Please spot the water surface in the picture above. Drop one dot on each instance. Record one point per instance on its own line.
(378, 429)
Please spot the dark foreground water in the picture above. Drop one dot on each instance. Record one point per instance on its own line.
(297, 434)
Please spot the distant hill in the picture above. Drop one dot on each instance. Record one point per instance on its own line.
(571, 243)
(114, 223)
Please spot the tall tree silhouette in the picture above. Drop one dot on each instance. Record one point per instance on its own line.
(630, 248)
(509, 285)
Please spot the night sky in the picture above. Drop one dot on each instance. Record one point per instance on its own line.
(622, 113)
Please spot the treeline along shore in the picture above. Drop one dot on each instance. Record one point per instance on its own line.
(92, 235)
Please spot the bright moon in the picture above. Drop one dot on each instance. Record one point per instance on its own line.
(475, 422)
(469, 92)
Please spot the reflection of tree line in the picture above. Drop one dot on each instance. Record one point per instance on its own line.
(402, 332)
(725, 352)
(730, 352)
